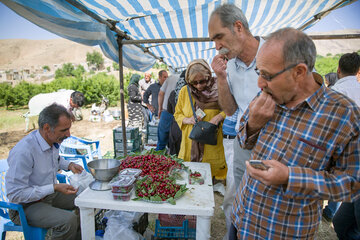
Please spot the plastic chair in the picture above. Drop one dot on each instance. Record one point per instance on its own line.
(80, 151)
(30, 233)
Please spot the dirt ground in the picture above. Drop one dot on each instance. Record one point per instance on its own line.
(104, 132)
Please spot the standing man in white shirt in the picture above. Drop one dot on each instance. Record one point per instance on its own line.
(166, 118)
(347, 70)
(347, 218)
(234, 67)
(31, 177)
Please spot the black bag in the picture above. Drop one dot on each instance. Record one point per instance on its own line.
(202, 132)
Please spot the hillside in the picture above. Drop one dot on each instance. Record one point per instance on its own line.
(20, 53)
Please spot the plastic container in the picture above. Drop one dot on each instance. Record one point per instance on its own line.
(181, 232)
(122, 184)
(122, 196)
(196, 177)
(131, 172)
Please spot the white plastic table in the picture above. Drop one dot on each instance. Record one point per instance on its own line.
(198, 200)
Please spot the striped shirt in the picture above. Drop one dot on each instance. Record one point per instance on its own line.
(319, 142)
(230, 123)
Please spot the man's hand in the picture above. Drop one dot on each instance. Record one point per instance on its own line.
(150, 107)
(261, 110)
(218, 64)
(217, 119)
(277, 174)
(65, 188)
(75, 168)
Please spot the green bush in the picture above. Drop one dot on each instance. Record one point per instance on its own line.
(93, 87)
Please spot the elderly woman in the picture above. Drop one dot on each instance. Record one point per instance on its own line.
(134, 104)
(205, 97)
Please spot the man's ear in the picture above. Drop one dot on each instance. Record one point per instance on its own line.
(300, 71)
(46, 128)
(238, 27)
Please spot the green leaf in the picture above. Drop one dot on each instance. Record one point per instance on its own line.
(171, 201)
(155, 198)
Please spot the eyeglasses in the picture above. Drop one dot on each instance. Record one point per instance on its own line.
(270, 77)
(201, 82)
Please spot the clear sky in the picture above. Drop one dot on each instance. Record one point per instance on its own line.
(14, 26)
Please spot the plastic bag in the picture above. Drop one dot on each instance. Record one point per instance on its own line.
(81, 181)
(119, 225)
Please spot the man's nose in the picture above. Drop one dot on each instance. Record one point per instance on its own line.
(218, 46)
(262, 83)
(67, 134)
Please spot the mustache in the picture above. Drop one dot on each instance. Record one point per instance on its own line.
(224, 51)
(63, 138)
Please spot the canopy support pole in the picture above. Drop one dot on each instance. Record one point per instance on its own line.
(122, 97)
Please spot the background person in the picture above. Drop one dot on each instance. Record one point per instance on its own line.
(347, 84)
(308, 162)
(153, 91)
(175, 132)
(70, 99)
(144, 84)
(135, 113)
(204, 94)
(330, 79)
(347, 218)
(166, 118)
(31, 177)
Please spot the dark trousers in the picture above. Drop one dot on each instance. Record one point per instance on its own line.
(232, 233)
(347, 221)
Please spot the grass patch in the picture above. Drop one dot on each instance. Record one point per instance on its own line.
(11, 119)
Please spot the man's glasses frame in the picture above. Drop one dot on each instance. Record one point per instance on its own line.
(271, 77)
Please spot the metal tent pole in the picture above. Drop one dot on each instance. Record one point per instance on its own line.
(122, 98)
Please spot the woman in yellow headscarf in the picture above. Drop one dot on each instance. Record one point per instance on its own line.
(204, 94)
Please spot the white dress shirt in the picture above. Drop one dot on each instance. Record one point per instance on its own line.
(350, 87)
(33, 165)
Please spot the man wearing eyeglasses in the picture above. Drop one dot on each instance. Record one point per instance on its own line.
(237, 81)
(308, 137)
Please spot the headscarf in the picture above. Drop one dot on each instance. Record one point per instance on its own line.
(135, 78)
(207, 98)
(331, 78)
(179, 84)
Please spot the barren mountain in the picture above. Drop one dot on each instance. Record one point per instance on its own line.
(19, 53)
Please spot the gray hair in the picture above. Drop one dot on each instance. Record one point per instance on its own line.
(297, 48)
(229, 14)
(51, 115)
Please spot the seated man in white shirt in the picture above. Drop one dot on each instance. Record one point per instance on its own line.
(31, 177)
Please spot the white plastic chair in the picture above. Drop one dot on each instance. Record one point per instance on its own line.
(80, 151)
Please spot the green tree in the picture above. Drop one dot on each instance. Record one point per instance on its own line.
(46, 68)
(95, 59)
(66, 71)
(115, 66)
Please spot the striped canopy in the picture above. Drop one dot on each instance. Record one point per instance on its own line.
(160, 19)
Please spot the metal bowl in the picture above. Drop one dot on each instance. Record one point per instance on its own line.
(104, 169)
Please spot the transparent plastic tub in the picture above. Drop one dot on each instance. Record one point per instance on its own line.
(131, 172)
(122, 196)
(122, 184)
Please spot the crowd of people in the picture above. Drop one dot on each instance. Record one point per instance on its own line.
(268, 104)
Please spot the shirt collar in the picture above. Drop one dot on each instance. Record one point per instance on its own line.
(239, 63)
(43, 144)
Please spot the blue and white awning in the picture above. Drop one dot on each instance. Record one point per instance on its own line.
(161, 19)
